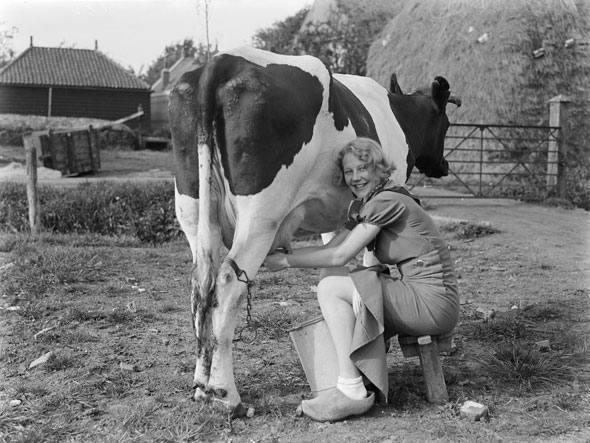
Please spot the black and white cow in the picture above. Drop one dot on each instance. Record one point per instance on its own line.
(255, 138)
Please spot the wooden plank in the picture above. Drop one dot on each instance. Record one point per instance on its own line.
(81, 151)
(58, 152)
(70, 158)
(94, 149)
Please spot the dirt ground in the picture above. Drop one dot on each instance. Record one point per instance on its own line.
(125, 350)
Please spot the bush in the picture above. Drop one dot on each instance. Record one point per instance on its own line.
(145, 211)
(578, 186)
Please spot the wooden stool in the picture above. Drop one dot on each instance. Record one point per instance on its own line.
(428, 349)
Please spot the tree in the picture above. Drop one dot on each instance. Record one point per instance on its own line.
(6, 51)
(342, 42)
(172, 53)
(281, 36)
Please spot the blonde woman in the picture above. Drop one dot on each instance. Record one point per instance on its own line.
(367, 306)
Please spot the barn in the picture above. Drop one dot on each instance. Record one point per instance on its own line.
(69, 82)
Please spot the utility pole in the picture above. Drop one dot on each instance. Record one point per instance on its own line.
(207, 27)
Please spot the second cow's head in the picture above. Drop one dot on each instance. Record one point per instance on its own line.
(430, 124)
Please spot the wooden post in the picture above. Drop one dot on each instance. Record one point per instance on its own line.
(32, 196)
(436, 388)
(557, 149)
(49, 101)
(428, 349)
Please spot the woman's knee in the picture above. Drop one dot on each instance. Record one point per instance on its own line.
(335, 288)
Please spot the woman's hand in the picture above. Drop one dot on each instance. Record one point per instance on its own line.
(276, 261)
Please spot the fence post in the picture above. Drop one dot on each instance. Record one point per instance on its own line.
(32, 196)
(557, 149)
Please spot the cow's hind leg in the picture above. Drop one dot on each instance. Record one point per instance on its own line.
(202, 299)
(231, 290)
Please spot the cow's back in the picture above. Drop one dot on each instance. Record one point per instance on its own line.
(390, 135)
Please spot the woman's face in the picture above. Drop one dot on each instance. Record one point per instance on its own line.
(361, 177)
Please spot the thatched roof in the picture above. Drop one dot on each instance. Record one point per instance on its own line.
(485, 49)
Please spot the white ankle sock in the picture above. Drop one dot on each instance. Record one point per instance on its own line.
(352, 387)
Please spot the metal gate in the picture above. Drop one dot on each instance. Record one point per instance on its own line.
(492, 161)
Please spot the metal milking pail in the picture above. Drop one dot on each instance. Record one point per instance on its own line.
(315, 348)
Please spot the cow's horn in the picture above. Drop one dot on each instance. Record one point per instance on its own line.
(455, 100)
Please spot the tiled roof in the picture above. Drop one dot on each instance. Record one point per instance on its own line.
(183, 65)
(39, 66)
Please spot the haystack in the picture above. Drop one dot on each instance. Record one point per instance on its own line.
(340, 11)
(504, 58)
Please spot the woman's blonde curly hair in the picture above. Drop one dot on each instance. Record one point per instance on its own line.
(366, 150)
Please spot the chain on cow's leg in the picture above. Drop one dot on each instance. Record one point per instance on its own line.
(243, 277)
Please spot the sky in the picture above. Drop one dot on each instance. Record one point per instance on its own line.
(135, 32)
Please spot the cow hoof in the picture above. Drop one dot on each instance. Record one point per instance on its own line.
(239, 411)
(201, 395)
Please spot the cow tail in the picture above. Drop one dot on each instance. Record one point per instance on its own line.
(207, 247)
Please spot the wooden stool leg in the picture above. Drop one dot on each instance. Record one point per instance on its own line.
(436, 388)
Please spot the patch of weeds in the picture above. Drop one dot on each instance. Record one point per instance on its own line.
(567, 401)
(139, 416)
(187, 424)
(30, 389)
(71, 337)
(273, 324)
(570, 341)
(119, 316)
(130, 314)
(32, 311)
(544, 312)
(273, 410)
(60, 361)
(33, 434)
(77, 337)
(81, 316)
(499, 329)
(466, 230)
(56, 429)
(168, 307)
(8, 242)
(53, 401)
(37, 272)
(49, 337)
(523, 364)
(117, 384)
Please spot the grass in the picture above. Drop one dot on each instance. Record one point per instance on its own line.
(100, 321)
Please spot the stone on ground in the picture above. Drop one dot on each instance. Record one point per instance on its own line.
(474, 410)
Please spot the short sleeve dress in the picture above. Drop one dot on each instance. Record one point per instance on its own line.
(423, 300)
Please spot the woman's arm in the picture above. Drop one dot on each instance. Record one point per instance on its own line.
(335, 241)
(337, 252)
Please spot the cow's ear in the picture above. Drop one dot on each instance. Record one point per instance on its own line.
(440, 92)
(394, 87)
